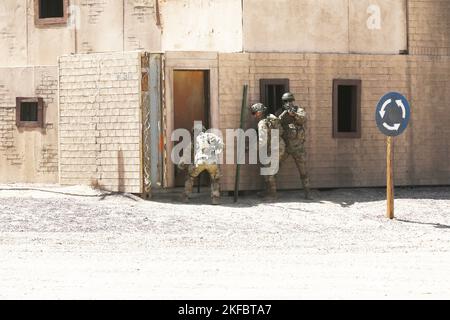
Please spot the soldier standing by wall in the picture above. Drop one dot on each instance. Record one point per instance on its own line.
(266, 123)
(205, 154)
(293, 121)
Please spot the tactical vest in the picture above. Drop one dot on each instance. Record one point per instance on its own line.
(291, 131)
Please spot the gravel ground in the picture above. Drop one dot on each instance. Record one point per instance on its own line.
(79, 243)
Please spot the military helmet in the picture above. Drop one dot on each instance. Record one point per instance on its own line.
(288, 97)
(258, 107)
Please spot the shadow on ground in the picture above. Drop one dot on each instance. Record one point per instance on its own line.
(250, 198)
(436, 225)
(352, 196)
(104, 194)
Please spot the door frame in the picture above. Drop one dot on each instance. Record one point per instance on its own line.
(202, 61)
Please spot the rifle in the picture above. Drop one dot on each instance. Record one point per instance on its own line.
(288, 109)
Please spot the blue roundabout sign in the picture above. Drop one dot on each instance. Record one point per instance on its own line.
(392, 114)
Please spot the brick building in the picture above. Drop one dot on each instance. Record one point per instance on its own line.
(100, 85)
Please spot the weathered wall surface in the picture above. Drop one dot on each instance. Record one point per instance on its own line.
(201, 25)
(429, 27)
(101, 25)
(100, 120)
(292, 26)
(22, 43)
(47, 43)
(13, 30)
(93, 26)
(28, 154)
(344, 26)
(142, 31)
(421, 153)
(377, 26)
(341, 26)
(111, 25)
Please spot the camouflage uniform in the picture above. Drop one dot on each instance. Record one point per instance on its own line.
(265, 127)
(294, 134)
(208, 147)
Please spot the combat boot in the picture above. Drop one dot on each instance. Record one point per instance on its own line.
(271, 193)
(215, 201)
(308, 195)
(268, 193)
(261, 194)
(305, 182)
(184, 198)
(270, 197)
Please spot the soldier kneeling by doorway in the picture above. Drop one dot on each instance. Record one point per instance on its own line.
(205, 155)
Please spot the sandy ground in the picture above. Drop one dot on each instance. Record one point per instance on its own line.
(79, 243)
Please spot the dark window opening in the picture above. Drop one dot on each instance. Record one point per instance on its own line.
(347, 109)
(271, 91)
(51, 9)
(29, 112)
(49, 12)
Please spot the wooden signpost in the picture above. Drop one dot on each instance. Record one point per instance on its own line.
(392, 117)
(390, 177)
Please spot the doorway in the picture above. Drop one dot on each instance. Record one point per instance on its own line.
(191, 103)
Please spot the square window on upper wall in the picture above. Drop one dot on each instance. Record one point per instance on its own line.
(50, 12)
(29, 112)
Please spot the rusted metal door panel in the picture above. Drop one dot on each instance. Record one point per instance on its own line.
(152, 164)
(156, 121)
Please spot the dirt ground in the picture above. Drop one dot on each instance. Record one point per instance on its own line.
(79, 243)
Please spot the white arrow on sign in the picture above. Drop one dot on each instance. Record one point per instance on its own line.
(383, 108)
(391, 128)
(401, 105)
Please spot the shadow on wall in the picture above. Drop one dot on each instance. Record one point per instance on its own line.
(95, 184)
(120, 171)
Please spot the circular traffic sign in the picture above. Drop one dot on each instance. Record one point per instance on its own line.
(392, 114)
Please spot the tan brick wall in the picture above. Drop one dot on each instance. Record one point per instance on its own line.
(100, 131)
(28, 154)
(429, 27)
(421, 153)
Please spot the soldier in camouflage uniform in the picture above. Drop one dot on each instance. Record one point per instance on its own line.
(205, 155)
(267, 122)
(293, 120)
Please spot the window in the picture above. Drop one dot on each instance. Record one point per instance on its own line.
(50, 12)
(271, 91)
(29, 112)
(347, 108)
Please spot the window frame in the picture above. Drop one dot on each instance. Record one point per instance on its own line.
(40, 116)
(50, 21)
(346, 82)
(263, 83)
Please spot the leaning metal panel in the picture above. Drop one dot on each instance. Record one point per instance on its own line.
(146, 127)
(155, 121)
